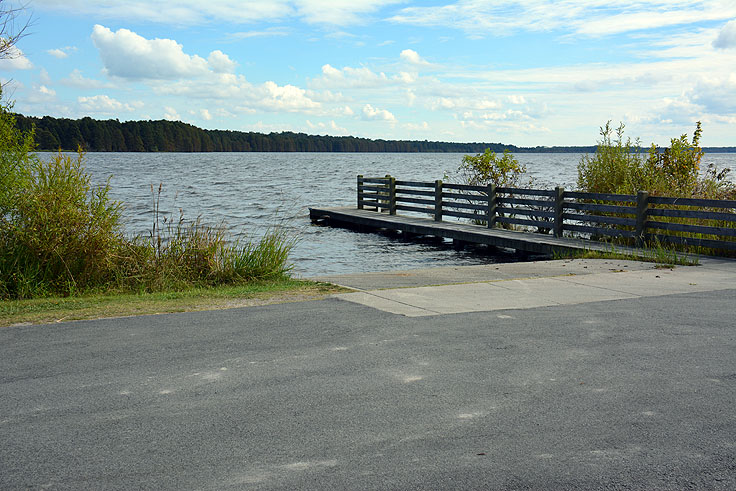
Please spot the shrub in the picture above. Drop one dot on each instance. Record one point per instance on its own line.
(616, 166)
(620, 167)
(64, 233)
(60, 235)
(488, 168)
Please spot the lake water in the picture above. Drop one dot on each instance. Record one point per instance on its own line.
(252, 191)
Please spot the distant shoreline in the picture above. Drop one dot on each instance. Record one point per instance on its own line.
(164, 136)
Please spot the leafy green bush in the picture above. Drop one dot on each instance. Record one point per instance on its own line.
(616, 166)
(63, 234)
(60, 235)
(488, 168)
(620, 167)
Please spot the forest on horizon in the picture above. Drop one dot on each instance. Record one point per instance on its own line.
(111, 135)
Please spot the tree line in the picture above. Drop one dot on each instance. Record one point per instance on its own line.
(174, 136)
(111, 135)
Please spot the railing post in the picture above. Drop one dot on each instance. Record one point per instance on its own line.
(491, 212)
(359, 188)
(438, 200)
(391, 195)
(642, 205)
(559, 210)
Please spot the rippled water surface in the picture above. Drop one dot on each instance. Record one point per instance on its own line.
(252, 191)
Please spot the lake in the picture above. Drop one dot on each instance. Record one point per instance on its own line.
(253, 191)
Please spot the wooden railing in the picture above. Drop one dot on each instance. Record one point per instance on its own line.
(641, 218)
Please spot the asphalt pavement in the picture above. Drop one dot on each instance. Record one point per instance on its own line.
(628, 391)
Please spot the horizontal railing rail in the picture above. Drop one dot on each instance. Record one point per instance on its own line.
(642, 218)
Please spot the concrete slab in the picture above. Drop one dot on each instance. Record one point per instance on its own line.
(481, 273)
(587, 283)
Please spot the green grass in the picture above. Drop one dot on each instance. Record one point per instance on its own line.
(58, 309)
(658, 254)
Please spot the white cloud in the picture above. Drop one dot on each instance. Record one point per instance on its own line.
(77, 80)
(103, 104)
(481, 18)
(718, 96)
(126, 54)
(423, 126)
(219, 62)
(171, 114)
(332, 127)
(191, 12)
(285, 98)
(46, 91)
(205, 114)
(15, 60)
(375, 114)
(44, 77)
(727, 37)
(473, 103)
(339, 12)
(350, 77)
(188, 12)
(406, 77)
(271, 31)
(411, 56)
(57, 53)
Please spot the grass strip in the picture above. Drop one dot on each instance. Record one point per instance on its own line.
(94, 306)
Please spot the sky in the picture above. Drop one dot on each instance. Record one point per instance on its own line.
(524, 72)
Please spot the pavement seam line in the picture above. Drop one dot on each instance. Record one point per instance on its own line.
(371, 293)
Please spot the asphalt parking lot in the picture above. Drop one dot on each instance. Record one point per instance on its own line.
(634, 392)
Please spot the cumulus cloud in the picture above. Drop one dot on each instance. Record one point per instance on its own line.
(219, 62)
(727, 37)
(171, 114)
(205, 114)
(104, 104)
(15, 60)
(126, 54)
(351, 77)
(332, 127)
(411, 56)
(285, 98)
(375, 114)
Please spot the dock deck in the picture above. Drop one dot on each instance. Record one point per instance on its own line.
(536, 243)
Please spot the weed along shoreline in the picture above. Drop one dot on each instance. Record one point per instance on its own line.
(562, 276)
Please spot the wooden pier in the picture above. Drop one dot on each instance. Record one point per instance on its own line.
(546, 221)
(460, 233)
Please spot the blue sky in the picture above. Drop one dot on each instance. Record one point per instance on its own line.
(525, 72)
